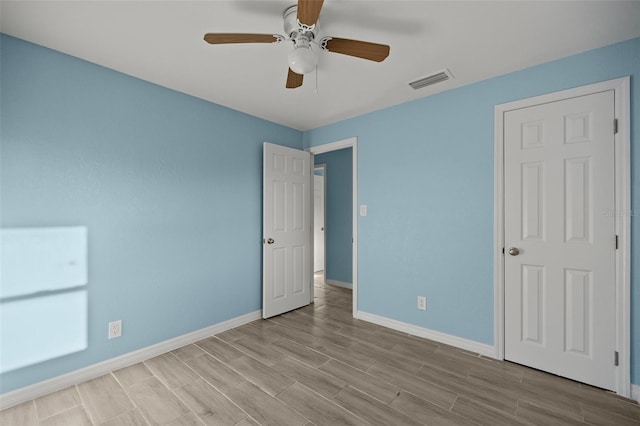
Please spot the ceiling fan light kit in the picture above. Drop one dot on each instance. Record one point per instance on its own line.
(302, 59)
(301, 28)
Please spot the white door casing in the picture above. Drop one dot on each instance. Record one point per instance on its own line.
(575, 279)
(287, 229)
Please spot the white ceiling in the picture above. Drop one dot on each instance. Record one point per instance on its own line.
(161, 42)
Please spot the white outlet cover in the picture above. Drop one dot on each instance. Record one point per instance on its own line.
(115, 329)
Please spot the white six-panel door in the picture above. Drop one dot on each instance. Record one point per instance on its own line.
(560, 289)
(287, 229)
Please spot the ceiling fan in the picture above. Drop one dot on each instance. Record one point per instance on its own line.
(301, 28)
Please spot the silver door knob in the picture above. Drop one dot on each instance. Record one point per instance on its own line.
(270, 241)
(514, 251)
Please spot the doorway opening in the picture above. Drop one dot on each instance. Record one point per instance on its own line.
(335, 227)
(319, 214)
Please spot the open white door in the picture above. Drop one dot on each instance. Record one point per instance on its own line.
(287, 255)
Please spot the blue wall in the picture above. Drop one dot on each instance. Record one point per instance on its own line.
(168, 185)
(339, 214)
(425, 170)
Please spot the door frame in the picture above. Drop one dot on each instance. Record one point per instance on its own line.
(334, 146)
(622, 166)
(324, 206)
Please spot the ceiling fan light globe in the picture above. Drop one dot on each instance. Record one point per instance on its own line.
(302, 60)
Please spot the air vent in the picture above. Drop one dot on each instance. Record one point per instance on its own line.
(432, 79)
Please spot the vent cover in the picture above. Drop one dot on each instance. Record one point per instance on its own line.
(432, 79)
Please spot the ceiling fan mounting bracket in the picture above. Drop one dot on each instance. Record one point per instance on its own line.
(305, 28)
(323, 42)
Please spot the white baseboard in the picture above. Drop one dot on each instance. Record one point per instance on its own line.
(459, 342)
(27, 393)
(635, 392)
(339, 284)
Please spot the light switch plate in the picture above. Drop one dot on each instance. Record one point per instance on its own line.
(422, 303)
(363, 210)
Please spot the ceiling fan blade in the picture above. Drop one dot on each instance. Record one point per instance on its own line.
(294, 79)
(360, 49)
(308, 11)
(225, 38)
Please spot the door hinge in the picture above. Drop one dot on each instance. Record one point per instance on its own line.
(615, 358)
(616, 242)
(615, 126)
(502, 250)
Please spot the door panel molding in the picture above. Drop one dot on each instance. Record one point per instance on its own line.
(622, 170)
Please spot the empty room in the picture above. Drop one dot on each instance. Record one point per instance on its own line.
(319, 213)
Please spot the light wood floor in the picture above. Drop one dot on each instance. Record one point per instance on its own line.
(319, 366)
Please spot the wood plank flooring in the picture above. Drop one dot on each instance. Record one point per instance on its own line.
(319, 366)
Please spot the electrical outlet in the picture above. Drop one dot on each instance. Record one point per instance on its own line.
(115, 329)
(422, 303)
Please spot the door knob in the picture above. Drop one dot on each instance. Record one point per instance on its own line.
(270, 241)
(514, 251)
